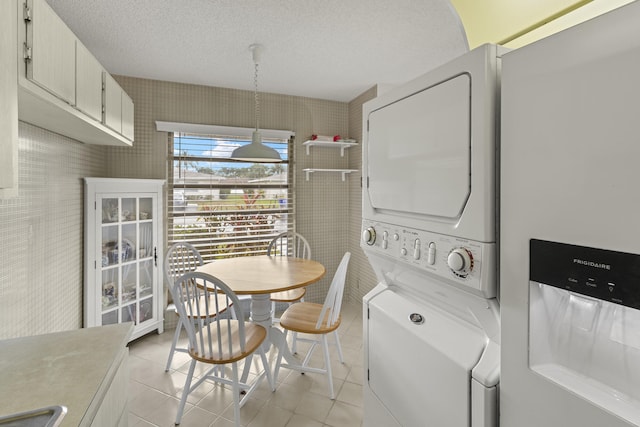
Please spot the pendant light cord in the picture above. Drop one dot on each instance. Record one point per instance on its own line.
(255, 80)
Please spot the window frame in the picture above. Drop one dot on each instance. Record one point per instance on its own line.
(211, 243)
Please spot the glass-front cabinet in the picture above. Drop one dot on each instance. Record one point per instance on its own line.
(123, 253)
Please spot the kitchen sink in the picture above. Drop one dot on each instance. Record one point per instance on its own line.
(50, 416)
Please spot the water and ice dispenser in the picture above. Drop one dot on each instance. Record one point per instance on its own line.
(584, 323)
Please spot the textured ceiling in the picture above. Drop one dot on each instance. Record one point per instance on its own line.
(327, 49)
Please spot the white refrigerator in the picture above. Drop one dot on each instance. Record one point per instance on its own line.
(569, 238)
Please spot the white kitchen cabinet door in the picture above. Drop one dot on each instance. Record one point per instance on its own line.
(8, 100)
(118, 108)
(88, 83)
(52, 63)
(112, 103)
(127, 116)
(124, 253)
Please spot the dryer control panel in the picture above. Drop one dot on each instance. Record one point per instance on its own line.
(465, 263)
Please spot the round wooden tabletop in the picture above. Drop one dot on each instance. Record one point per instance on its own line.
(264, 274)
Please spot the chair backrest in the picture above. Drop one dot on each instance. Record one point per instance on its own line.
(333, 301)
(181, 258)
(201, 299)
(291, 244)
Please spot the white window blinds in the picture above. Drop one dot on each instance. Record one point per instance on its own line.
(223, 207)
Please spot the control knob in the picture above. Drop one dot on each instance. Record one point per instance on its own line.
(460, 261)
(369, 236)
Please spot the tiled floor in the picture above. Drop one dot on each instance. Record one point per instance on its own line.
(299, 400)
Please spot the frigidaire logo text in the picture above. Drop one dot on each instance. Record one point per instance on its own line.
(592, 264)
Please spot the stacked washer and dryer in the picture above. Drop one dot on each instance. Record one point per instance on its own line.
(431, 325)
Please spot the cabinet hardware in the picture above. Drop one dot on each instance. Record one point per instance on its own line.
(26, 52)
(26, 12)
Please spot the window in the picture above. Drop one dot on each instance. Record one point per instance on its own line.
(226, 208)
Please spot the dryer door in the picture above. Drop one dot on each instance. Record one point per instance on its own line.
(420, 361)
(419, 151)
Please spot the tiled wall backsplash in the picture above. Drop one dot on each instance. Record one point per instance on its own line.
(41, 231)
(41, 234)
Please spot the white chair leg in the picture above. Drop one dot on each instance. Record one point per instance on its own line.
(294, 336)
(279, 358)
(185, 391)
(327, 362)
(247, 368)
(176, 337)
(267, 369)
(236, 394)
(335, 334)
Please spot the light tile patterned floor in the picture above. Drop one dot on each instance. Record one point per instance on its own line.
(299, 400)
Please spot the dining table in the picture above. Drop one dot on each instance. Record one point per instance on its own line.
(260, 276)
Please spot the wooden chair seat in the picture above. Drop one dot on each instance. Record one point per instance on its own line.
(255, 334)
(292, 295)
(303, 316)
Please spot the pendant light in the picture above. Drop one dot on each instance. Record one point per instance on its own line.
(256, 152)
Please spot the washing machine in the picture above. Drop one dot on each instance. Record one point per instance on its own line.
(431, 325)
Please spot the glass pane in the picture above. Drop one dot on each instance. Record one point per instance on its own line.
(146, 240)
(109, 245)
(127, 251)
(129, 276)
(146, 278)
(109, 210)
(110, 318)
(109, 288)
(129, 210)
(146, 309)
(129, 313)
(226, 208)
(146, 208)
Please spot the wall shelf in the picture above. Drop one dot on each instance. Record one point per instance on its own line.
(337, 144)
(344, 172)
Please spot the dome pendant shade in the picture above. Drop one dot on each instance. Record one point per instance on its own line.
(256, 152)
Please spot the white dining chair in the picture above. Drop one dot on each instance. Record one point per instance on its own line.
(319, 320)
(181, 258)
(290, 244)
(218, 340)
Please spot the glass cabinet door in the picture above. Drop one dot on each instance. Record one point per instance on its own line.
(128, 259)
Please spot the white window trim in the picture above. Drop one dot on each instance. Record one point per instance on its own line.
(201, 129)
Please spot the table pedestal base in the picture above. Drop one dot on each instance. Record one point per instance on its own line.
(262, 315)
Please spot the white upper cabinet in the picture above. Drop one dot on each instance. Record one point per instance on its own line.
(88, 83)
(118, 108)
(8, 100)
(62, 87)
(127, 116)
(112, 103)
(52, 52)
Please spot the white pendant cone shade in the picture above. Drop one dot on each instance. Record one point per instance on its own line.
(256, 152)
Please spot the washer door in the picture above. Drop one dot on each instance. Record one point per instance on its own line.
(420, 360)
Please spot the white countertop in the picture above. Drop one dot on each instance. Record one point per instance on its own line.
(63, 368)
